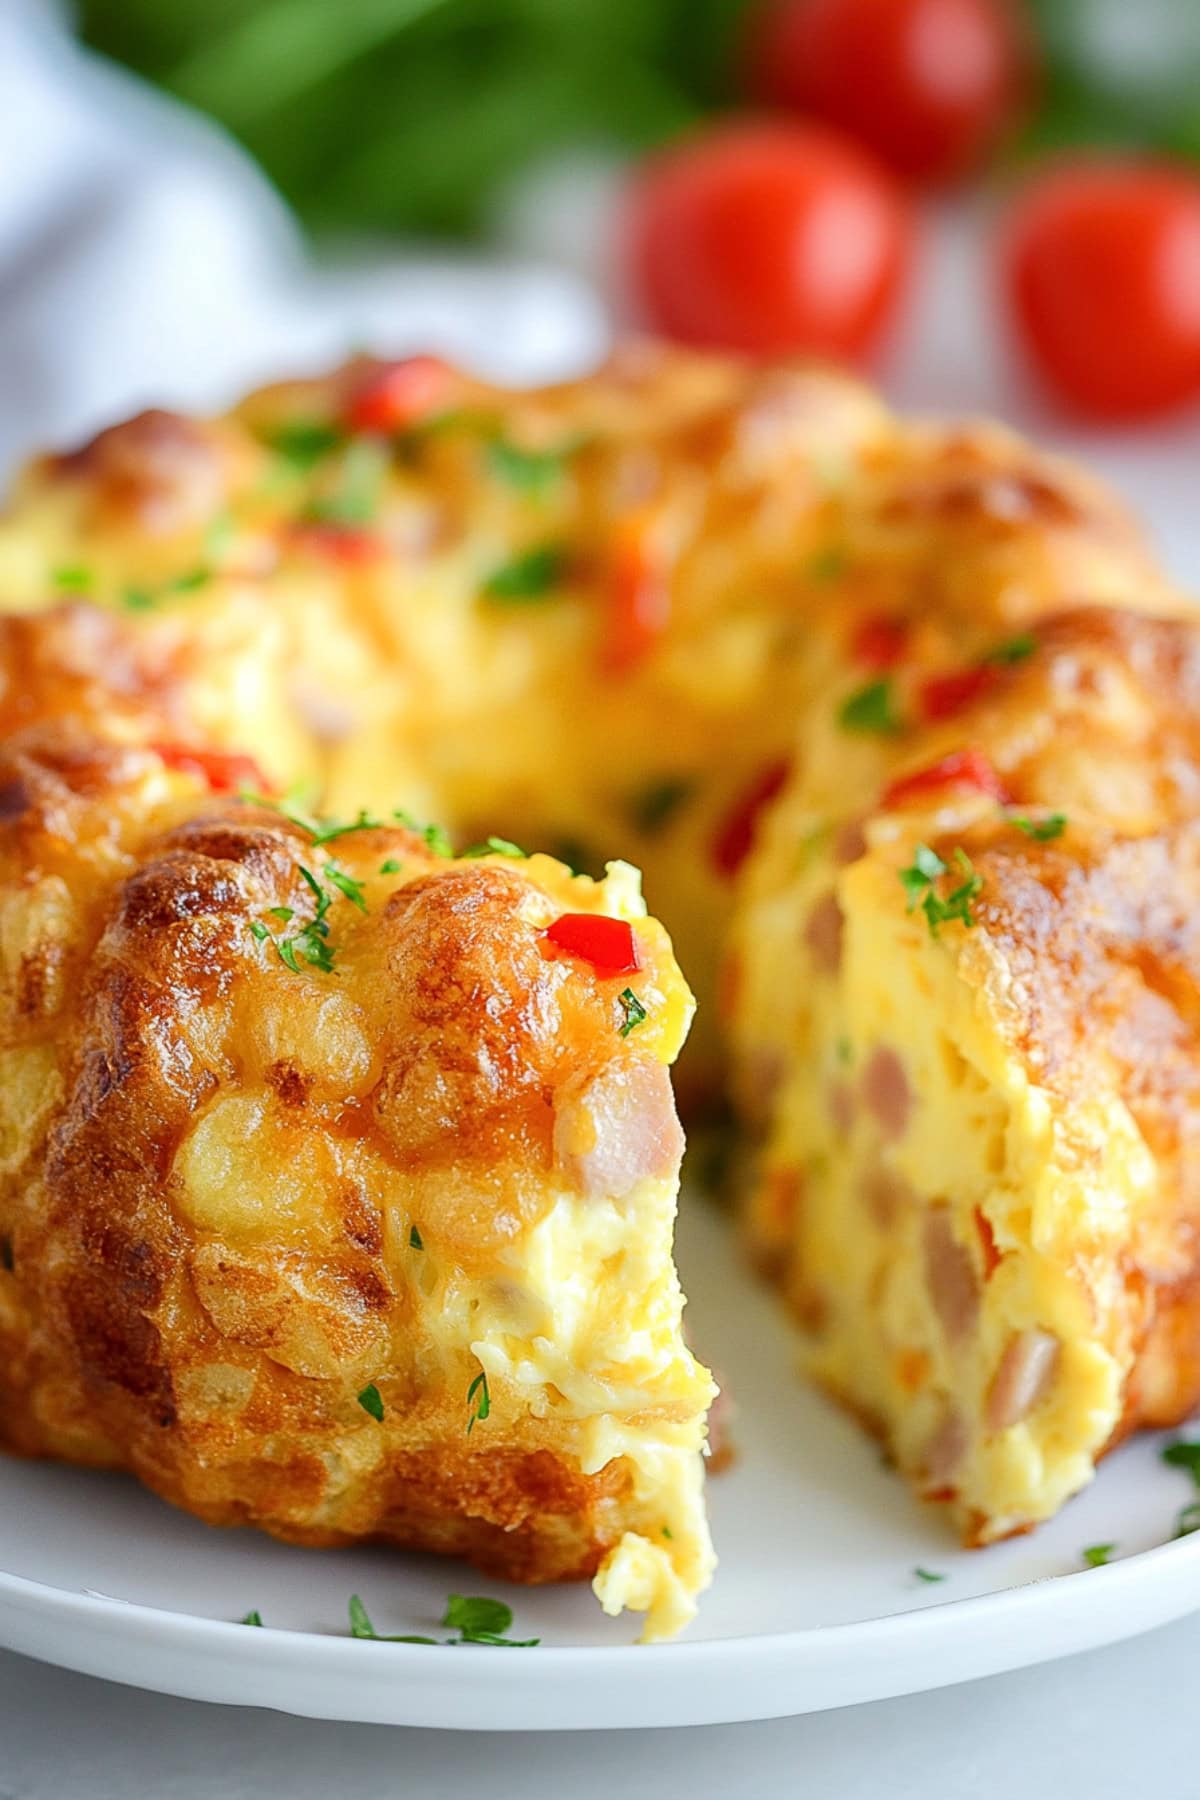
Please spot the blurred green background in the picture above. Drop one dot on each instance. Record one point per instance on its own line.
(408, 115)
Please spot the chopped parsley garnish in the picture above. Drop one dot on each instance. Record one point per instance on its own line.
(928, 1575)
(325, 830)
(918, 879)
(411, 440)
(361, 1627)
(415, 1241)
(634, 1012)
(530, 575)
(390, 867)
(347, 886)
(371, 1401)
(479, 1620)
(143, 599)
(1013, 650)
(476, 1619)
(479, 1400)
(355, 499)
(305, 442)
(658, 804)
(496, 846)
(925, 868)
(1096, 1555)
(311, 941)
(829, 564)
(251, 1618)
(435, 837)
(1186, 1456)
(190, 580)
(1043, 830)
(870, 709)
(74, 578)
(531, 472)
(667, 1532)
(1183, 1455)
(219, 535)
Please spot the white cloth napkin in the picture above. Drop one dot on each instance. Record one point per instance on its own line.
(144, 259)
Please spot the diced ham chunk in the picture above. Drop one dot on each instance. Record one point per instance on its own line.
(823, 934)
(1024, 1376)
(885, 1091)
(950, 1277)
(849, 843)
(886, 1194)
(618, 1129)
(945, 1450)
(841, 1107)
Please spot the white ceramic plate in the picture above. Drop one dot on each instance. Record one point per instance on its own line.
(816, 1604)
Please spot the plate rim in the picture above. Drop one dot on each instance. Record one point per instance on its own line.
(587, 1687)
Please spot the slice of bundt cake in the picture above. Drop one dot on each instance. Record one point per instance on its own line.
(338, 1177)
(966, 1015)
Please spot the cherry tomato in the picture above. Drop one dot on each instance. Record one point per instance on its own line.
(225, 771)
(768, 238)
(927, 84)
(1103, 276)
(609, 945)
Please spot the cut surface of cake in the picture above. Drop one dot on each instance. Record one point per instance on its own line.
(967, 1021)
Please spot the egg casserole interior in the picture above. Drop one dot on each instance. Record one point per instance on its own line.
(967, 1032)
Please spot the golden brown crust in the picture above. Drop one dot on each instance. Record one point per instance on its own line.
(1099, 938)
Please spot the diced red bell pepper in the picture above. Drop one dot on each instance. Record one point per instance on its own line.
(942, 696)
(961, 769)
(735, 836)
(226, 771)
(987, 1239)
(348, 544)
(609, 945)
(639, 588)
(398, 395)
(879, 642)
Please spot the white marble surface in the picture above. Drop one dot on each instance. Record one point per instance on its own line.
(1109, 1725)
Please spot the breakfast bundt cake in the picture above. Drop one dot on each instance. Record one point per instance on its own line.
(339, 1170)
